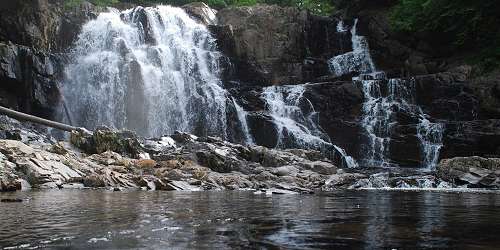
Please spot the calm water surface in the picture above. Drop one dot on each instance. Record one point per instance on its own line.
(76, 219)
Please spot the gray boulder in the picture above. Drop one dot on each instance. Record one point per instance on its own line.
(471, 171)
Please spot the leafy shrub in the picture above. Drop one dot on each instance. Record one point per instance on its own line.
(453, 26)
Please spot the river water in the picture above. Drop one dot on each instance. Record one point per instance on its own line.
(76, 219)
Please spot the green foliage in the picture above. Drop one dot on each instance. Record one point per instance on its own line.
(453, 25)
(74, 3)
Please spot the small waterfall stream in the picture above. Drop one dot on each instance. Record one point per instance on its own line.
(242, 120)
(358, 60)
(297, 121)
(383, 99)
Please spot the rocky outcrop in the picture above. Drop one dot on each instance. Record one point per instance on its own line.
(105, 139)
(32, 33)
(201, 12)
(177, 162)
(471, 171)
(29, 80)
(48, 25)
(268, 44)
(339, 105)
(186, 162)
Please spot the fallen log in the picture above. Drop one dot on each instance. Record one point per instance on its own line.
(34, 119)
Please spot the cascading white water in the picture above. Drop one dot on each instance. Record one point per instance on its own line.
(383, 98)
(431, 137)
(242, 119)
(358, 60)
(153, 70)
(296, 120)
(341, 27)
(377, 121)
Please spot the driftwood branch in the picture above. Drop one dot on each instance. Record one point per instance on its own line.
(30, 118)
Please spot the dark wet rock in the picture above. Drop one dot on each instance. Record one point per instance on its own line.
(29, 80)
(181, 137)
(214, 161)
(471, 171)
(443, 97)
(472, 138)
(263, 129)
(201, 12)
(32, 35)
(339, 105)
(139, 17)
(44, 24)
(105, 139)
(10, 200)
(269, 44)
(10, 185)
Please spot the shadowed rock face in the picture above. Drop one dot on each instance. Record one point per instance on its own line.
(32, 33)
(274, 45)
(29, 80)
(43, 24)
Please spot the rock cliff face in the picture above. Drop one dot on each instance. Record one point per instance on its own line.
(29, 79)
(46, 25)
(33, 35)
(270, 45)
(267, 46)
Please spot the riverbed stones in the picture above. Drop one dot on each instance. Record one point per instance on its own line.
(202, 163)
(471, 171)
(342, 180)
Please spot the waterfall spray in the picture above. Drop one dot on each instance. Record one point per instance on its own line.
(153, 70)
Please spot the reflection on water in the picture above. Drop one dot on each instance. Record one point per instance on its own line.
(200, 220)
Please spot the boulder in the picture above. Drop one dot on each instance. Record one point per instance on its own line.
(322, 167)
(201, 12)
(214, 161)
(285, 170)
(342, 181)
(105, 139)
(471, 171)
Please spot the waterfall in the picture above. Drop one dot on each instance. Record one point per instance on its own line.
(341, 27)
(379, 119)
(384, 98)
(296, 121)
(358, 60)
(153, 70)
(431, 137)
(242, 119)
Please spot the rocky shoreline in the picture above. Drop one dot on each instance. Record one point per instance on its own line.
(31, 157)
